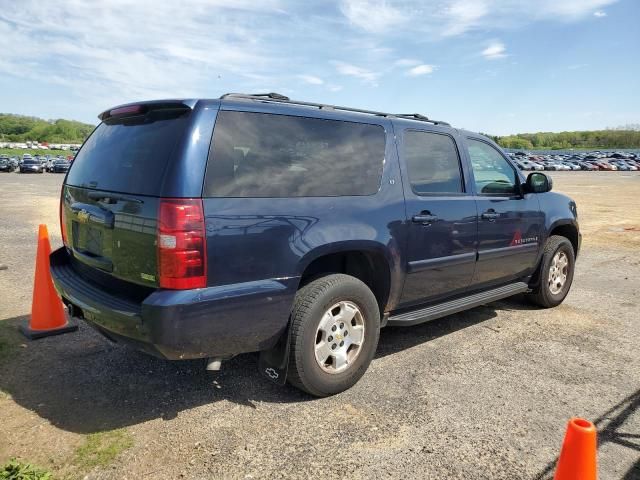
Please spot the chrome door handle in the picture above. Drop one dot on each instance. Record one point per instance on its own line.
(490, 215)
(425, 219)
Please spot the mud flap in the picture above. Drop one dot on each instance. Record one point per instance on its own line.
(274, 363)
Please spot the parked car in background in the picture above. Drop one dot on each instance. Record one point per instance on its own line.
(5, 164)
(60, 166)
(572, 166)
(31, 165)
(589, 166)
(606, 166)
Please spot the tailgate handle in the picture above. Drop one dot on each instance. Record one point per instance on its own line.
(93, 214)
(93, 261)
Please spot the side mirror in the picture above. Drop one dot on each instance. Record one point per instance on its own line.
(538, 182)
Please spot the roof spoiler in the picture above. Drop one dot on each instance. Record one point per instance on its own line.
(141, 108)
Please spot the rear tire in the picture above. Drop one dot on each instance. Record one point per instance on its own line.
(555, 274)
(335, 326)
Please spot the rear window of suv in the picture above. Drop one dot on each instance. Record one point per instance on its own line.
(129, 155)
(266, 155)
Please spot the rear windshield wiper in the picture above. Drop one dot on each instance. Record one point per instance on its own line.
(112, 197)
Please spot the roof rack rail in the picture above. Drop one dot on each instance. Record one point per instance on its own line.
(271, 95)
(422, 118)
(276, 97)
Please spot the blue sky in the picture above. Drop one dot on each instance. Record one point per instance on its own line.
(497, 66)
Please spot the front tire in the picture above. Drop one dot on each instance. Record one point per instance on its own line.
(556, 273)
(335, 326)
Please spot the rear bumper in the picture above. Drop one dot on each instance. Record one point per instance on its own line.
(183, 324)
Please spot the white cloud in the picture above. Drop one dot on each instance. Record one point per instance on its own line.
(372, 15)
(311, 79)
(418, 70)
(334, 88)
(447, 18)
(495, 51)
(599, 14)
(407, 62)
(571, 9)
(463, 15)
(363, 74)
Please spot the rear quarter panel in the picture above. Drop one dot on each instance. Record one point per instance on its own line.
(250, 239)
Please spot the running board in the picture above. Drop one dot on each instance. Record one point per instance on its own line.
(454, 306)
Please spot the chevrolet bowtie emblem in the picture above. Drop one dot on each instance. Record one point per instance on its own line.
(83, 216)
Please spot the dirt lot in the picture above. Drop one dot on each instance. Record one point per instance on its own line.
(483, 394)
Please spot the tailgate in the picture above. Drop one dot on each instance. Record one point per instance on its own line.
(113, 233)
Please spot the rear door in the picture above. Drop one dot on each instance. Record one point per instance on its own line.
(111, 195)
(510, 223)
(442, 217)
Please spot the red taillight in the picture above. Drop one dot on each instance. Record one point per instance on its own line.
(182, 258)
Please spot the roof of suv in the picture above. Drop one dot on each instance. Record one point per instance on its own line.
(285, 105)
(276, 100)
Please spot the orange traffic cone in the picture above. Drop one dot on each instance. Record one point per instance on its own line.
(578, 455)
(47, 312)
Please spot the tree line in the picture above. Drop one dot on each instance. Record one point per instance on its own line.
(596, 139)
(19, 128)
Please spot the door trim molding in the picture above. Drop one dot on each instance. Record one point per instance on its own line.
(507, 251)
(441, 262)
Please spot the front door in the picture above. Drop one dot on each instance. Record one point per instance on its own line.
(510, 223)
(442, 218)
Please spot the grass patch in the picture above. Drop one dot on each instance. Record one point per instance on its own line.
(99, 449)
(18, 152)
(16, 470)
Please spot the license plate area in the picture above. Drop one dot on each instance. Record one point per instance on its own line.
(88, 239)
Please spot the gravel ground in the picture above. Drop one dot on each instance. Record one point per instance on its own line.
(482, 394)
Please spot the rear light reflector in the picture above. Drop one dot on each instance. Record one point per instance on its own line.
(182, 258)
(63, 219)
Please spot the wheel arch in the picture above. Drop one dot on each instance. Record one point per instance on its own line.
(369, 261)
(568, 230)
(562, 228)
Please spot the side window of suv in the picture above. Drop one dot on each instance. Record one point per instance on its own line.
(433, 163)
(266, 155)
(492, 173)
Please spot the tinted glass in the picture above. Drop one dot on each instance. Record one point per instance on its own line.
(129, 156)
(265, 155)
(493, 174)
(433, 163)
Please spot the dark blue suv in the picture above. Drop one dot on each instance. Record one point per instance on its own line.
(210, 228)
